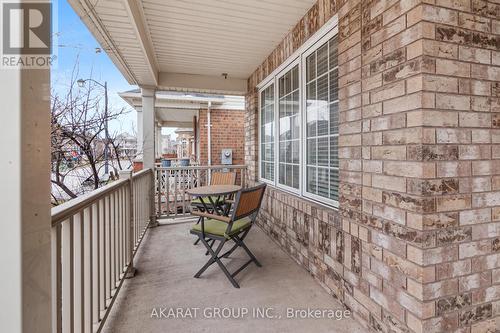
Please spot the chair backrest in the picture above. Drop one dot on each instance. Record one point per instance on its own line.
(248, 201)
(223, 178)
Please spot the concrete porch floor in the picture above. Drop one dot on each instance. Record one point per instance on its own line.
(166, 264)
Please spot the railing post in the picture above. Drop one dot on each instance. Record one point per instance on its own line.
(153, 222)
(127, 174)
(158, 181)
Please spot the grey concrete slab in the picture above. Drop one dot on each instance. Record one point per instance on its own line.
(164, 283)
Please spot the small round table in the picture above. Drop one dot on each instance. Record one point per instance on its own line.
(214, 191)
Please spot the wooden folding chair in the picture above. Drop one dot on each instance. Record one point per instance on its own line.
(230, 228)
(217, 178)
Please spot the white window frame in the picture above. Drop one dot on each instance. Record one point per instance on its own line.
(265, 180)
(320, 42)
(277, 122)
(323, 35)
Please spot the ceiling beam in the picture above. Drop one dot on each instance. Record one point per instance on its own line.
(202, 83)
(138, 21)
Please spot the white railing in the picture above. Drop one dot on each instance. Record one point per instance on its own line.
(94, 240)
(173, 182)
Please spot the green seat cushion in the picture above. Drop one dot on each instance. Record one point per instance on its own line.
(218, 228)
(205, 200)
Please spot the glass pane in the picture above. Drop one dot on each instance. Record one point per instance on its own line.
(334, 184)
(334, 118)
(322, 90)
(295, 78)
(311, 94)
(295, 102)
(295, 123)
(296, 176)
(334, 151)
(323, 117)
(312, 119)
(323, 182)
(334, 88)
(311, 151)
(322, 151)
(333, 53)
(289, 175)
(311, 67)
(296, 151)
(322, 59)
(311, 180)
(282, 174)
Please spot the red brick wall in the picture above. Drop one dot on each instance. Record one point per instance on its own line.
(227, 132)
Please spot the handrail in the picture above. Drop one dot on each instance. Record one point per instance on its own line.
(203, 167)
(63, 211)
(141, 173)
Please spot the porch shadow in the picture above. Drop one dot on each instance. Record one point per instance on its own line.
(166, 264)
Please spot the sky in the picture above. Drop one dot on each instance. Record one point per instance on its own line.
(75, 42)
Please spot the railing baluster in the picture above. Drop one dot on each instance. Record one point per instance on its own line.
(102, 257)
(167, 198)
(78, 272)
(67, 276)
(87, 269)
(56, 245)
(95, 226)
(108, 263)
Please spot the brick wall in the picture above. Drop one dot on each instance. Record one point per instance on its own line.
(414, 245)
(227, 132)
(462, 87)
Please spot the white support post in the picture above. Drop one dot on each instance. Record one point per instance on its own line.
(127, 174)
(25, 240)
(139, 134)
(158, 141)
(149, 128)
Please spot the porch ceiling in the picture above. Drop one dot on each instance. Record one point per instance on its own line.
(174, 109)
(187, 45)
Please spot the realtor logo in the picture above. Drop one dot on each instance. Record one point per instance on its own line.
(26, 34)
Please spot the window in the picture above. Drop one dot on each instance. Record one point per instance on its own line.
(321, 119)
(289, 129)
(305, 137)
(267, 133)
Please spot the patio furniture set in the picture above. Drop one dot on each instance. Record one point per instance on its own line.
(226, 214)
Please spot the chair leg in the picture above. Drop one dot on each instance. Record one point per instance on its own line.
(239, 241)
(198, 240)
(236, 245)
(211, 243)
(216, 259)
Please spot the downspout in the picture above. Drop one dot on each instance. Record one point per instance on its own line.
(209, 135)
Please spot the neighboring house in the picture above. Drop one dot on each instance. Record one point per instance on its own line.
(188, 112)
(185, 143)
(127, 145)
(168, 145)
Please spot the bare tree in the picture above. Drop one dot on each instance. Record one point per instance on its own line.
(78, 141)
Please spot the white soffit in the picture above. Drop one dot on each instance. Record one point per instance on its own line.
(154, 39)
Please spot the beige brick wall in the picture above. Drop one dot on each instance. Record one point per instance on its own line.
(415, 244)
